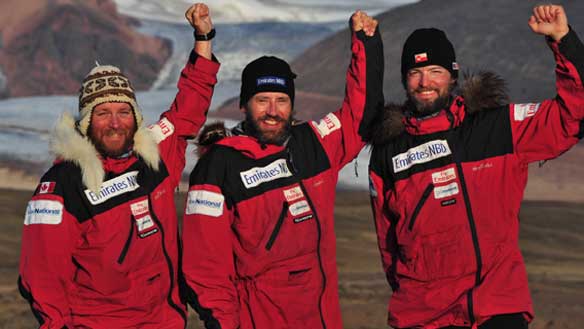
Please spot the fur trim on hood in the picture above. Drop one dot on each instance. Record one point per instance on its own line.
(67, 144)
(481, 91)
(211, 134)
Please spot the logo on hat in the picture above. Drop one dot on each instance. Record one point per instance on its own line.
(270, 81)
(419, 58)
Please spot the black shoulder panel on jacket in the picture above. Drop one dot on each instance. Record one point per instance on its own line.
(241, 177)
(374, 63)
(482, 135)
(84, 204)
(573, 49)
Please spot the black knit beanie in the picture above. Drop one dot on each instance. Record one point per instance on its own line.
(267, 73)
(428, 47)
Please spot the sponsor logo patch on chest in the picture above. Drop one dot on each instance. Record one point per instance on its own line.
(294, 193)
(524, 111)
(259, 175)
(420, 154)
(443, 176)
(299, 208)
(125, 183)
(445, 191)
(139, 208)
(43, 212)
(205, 203)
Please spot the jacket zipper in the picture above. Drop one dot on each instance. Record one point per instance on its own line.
(420, 204)
(124, 252)
(278, 226)
(319, 235)
(168, 262)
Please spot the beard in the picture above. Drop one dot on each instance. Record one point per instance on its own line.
(108, 151)
(278, 137)
(423, 109)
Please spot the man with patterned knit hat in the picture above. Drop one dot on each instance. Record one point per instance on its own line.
(447, 175)
(258, 230)
(100, 244)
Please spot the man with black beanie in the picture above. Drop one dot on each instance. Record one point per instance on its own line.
(447, 175)
(259, 244)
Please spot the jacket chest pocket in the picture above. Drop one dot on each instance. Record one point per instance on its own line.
(420, 205)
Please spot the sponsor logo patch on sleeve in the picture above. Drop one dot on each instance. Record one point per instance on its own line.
(205, 203)
(161, 130)
(47, 187)
(327, 125)
(445, 191)
(524, 111)
(48, 212)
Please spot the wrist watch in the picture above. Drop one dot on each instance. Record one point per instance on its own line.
(204, 37)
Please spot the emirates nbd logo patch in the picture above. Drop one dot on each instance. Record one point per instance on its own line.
(125, 183)
(259, 175)
(421, 154)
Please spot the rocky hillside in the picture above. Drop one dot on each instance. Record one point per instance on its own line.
(487, 34)
(47, 46)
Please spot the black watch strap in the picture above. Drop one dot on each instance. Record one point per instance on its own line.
(204, 37)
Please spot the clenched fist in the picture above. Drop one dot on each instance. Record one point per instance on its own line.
(199, 17)
(549, 20)
(361, 21)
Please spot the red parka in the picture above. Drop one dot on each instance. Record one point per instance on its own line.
(259, 244)
(109, 258)
(446, 195)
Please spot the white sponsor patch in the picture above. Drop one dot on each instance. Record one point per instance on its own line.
(443, 176)
(421, 154)
(125, 183)
(139, 208)
(294, 193)
(299, 208)
(259, 175)
(161, 130)
(205, 203)
(144, 223)
(446, 190)
(327, 125)
(43, 212)
(523, 111)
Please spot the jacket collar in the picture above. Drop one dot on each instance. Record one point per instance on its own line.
(479, 92)
(68, 145)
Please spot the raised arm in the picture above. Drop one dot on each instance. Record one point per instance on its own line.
(545, 130)
(188, 112)
(342, 132)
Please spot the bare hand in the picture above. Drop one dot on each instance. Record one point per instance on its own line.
(549, 20)
(199, 17)
(361, 21)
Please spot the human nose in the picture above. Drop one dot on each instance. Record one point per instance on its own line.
(424, 79)
(271, 110)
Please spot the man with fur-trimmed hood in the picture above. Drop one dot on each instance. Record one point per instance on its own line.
(100, 244)
(447, 175)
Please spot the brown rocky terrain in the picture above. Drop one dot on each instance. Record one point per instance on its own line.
(48, 46)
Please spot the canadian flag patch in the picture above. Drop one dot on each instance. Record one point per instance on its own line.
(419, 58)
(47, 187)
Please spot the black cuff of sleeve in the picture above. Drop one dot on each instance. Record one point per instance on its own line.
(193, 57)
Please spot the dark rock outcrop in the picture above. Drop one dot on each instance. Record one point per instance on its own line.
(47, 46)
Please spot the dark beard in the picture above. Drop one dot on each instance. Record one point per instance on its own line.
(252, 128)
(424, 110)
